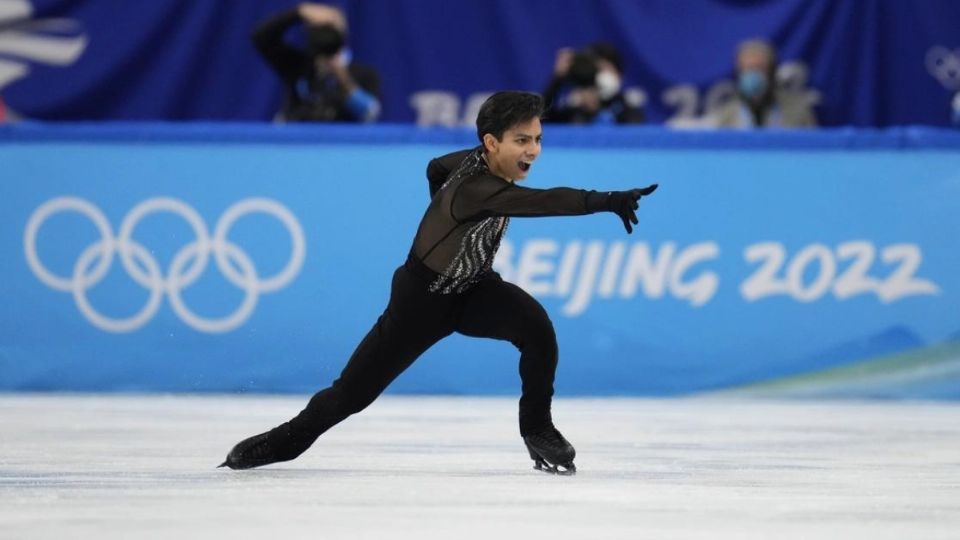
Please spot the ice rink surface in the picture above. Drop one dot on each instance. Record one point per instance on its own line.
(121, 467)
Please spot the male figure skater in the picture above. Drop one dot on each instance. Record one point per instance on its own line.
(447, 286)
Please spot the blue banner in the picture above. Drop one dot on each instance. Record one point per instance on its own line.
(863, 63)
(245, 258)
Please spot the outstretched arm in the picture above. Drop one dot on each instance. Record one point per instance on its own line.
(490, 196)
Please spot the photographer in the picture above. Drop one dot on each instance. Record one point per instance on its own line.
(587, 88)
(322, 84)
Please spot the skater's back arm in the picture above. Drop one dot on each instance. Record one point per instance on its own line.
(440, 168)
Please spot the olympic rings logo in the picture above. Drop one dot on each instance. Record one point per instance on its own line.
(186, 267)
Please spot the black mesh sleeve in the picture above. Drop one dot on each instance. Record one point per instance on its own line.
(487, 196)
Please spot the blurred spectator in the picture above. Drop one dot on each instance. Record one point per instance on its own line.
(587, 88)
(322, 82)
(954, 109)
(759, 101)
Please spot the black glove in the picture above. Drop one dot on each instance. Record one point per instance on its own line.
(624, 204)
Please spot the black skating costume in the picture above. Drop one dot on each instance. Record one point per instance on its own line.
(447, 286)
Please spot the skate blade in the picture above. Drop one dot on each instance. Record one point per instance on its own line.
(563, 469)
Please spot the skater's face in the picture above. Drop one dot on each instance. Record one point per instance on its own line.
(512, 156)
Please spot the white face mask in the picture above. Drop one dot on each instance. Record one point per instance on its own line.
(608, 84)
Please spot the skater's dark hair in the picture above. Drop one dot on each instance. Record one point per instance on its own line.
(504, 110)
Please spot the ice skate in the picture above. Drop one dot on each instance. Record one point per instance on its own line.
(259, 450)
(550, 452)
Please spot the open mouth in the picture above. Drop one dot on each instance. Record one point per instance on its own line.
(524, 166)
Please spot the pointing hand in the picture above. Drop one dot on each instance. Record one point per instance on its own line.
(625, 203)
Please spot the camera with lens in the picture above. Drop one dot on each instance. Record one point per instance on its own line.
(324, 40)
(583, 69)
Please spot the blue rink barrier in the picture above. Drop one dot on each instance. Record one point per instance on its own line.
(206, 257)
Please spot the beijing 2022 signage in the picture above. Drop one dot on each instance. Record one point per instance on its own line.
(193, 263)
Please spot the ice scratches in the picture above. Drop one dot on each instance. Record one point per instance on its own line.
(98, 480)
(120, 467)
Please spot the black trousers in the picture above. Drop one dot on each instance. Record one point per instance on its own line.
(414, 320)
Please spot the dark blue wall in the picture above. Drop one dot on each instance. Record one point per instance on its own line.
(870, 62)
